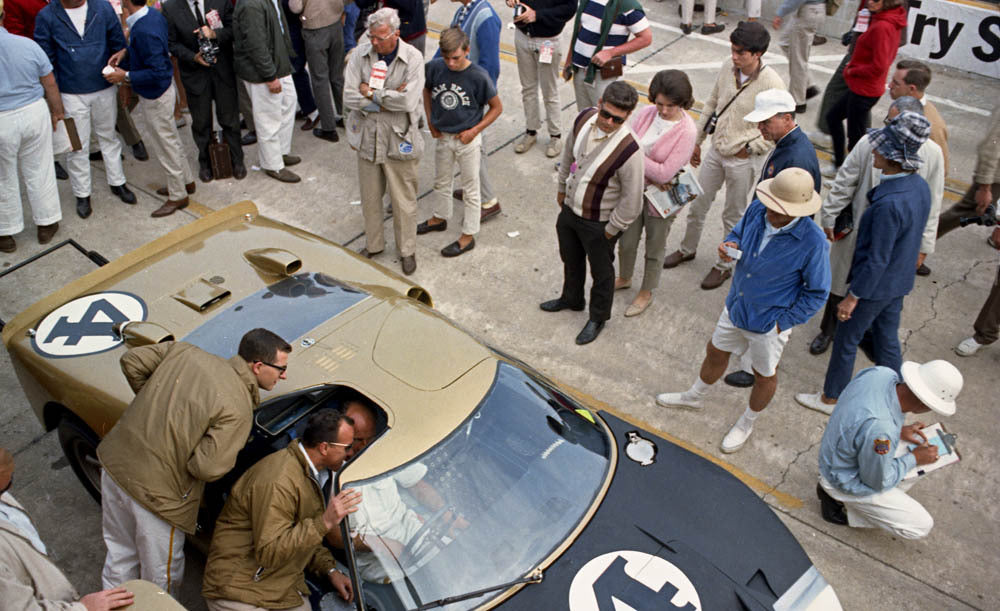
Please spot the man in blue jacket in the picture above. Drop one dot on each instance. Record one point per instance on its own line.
(781, 278)
(79, 37)
(147, 68)
(885, 256)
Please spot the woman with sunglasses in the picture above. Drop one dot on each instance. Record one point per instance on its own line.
(666, 134)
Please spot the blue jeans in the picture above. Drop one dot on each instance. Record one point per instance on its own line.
(882, 317)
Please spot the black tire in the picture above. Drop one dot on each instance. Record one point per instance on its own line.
(79, 444)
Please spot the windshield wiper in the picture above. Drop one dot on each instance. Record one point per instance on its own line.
(535, 576)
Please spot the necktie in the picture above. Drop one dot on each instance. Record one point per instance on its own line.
(197, 12)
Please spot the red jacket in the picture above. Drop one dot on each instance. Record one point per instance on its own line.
(19, 16)
(874, 53)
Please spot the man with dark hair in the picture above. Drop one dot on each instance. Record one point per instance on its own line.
(911, 78)
(600, 195)
(145, 65)
(272, 527)
(191, 415)
(737, 146)
(455, 93)
(207, 80)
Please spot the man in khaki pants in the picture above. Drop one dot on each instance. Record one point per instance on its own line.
(382, 128)
(798, 21)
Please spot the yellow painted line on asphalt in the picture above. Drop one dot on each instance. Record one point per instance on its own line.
(787, 500)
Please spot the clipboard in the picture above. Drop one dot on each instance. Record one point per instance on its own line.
(948, 453)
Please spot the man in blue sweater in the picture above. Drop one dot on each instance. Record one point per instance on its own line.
(146, 66)
(781, 278)
(79, 37)
(885, 256)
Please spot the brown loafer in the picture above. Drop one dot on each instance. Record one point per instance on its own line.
(409, 264)
(290, 159)
(490, 212)
(170, 207)
(45, 232)
(7, 243)
(676, 258)
(715, 278)
(164, 192)
(309, 124)
(365, 253)
(284, 175)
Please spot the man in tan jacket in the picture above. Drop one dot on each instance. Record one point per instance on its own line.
(272, 527)
(28, 579)
(192, 414)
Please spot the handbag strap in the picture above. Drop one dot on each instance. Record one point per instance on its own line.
(741, 89)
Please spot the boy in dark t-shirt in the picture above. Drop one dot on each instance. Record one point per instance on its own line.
(455, 94)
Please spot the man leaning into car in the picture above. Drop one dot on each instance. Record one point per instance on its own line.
(191, 415)
(273, 524)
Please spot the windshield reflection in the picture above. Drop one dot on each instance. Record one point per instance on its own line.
(487, 504)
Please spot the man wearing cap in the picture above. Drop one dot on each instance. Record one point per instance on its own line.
(862, 459)
(781, 279)
(774, 114)
(885, 257)
(850, 192)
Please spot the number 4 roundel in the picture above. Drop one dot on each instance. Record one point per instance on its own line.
(84, 326)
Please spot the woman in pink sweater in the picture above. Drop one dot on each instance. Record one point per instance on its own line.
(667, 136)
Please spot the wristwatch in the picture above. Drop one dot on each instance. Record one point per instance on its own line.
(128, 81)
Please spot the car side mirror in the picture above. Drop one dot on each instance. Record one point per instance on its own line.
(141, 333)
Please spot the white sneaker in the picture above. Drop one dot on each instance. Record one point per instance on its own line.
(554, 147)
(968, 347)
(524, 143)
(815, 401)
(820, 139)
(827, 169)
(737, 436)
(678, 399)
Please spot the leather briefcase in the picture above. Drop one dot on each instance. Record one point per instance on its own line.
(218, 155)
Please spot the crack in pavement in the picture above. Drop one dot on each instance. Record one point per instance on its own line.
(788, 469)
(933, 306)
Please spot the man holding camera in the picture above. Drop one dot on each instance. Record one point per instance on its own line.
(737, 146)
(192, 24)
(985, 188)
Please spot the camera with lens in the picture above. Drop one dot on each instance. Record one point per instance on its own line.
(209, 48)
(710, 126)
(988, 218)
(519, 10)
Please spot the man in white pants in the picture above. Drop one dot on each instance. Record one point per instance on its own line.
(263, 49)
(863, 457)
(78, 55)
(26, 123)
(150, 73)
(798, 21)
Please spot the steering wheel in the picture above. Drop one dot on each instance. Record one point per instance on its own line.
(428, 540)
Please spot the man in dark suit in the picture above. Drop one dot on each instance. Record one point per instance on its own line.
(204, 81)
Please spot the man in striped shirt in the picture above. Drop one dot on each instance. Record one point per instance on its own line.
(600, 43)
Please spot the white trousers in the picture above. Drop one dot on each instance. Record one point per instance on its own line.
(588, 94)
(448, 151)
(687, 10)
(165, 142)
(753, 8)
(274, 118)
(534, 74)
(795, 40)
(892, 510)
(140, 544)
(26, 148)
(98, 110)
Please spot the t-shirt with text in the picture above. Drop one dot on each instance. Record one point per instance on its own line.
(457, 98)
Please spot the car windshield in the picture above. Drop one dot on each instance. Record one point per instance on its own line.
(487, 504)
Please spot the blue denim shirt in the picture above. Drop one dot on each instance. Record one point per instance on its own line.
(77, 61)
(786, 282)
(858, 452)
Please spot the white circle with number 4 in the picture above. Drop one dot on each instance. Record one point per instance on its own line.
(632, 581)
(84, 326)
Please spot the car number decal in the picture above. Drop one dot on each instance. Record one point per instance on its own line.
(632, 581)
(83, 326)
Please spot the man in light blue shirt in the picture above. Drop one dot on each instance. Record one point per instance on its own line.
(862, 458)
(26, 124)
(781, 278)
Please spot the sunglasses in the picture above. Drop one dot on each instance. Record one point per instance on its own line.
(278, 367)
(614, 118)
(338, 444)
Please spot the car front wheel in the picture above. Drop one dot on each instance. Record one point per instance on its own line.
(79, 444)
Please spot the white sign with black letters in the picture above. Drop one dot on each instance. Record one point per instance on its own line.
(958, 35)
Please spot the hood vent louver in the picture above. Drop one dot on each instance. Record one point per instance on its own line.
(201, 295)
(274, 261)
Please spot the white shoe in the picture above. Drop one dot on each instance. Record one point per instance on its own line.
(524, 143)
(820, 139)
(968, 347)
(678, 399)
(827, 169)
(554, 147)
(815, 401)
(737, 436)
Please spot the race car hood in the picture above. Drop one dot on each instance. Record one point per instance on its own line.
(686, 548)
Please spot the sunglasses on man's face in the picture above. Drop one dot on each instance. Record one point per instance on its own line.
(614, 118)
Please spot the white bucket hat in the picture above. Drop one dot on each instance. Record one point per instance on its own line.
(935, 383)
(769, 103)
(790, 193)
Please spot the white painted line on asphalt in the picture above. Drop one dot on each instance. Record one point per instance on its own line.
(776, 58)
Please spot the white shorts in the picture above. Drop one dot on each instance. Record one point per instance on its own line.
(764, 349)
